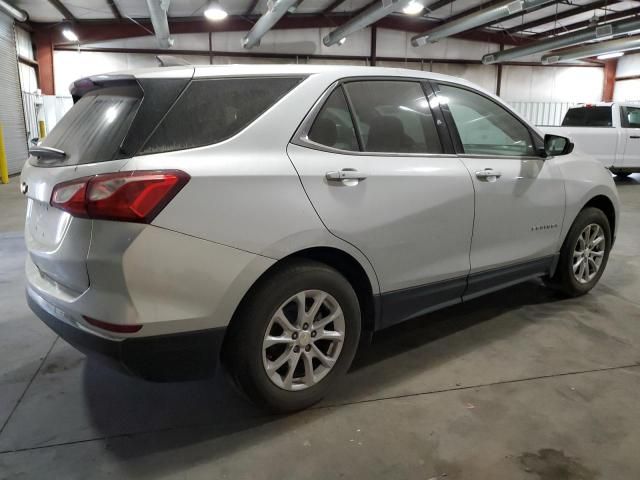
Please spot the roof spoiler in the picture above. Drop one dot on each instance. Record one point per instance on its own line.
(81, 87)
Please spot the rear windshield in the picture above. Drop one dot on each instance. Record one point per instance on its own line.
(588, 117)
(96, 125)
(161, 115)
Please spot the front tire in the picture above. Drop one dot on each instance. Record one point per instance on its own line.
(584, 254)
(294, 336)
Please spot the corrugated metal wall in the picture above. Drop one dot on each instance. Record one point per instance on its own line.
(30, 114)
(11, 113)
(549, 114)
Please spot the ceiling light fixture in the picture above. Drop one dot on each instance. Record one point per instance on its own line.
(607, 56)
(413, 8)
(70, 35)
(215, 12)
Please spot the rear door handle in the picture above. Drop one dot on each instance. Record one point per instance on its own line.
(345, 174)
(488, 173)
(634, 136)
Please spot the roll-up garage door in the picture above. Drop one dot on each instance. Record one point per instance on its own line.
(11, 113)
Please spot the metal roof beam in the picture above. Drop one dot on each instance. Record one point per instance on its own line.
(114, 8)
(66, 13)
(333, 5)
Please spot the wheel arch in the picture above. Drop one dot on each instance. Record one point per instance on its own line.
(604, 203)
(338, 259)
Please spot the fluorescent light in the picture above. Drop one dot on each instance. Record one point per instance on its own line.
(606, 56)
(413, 8)
(70, 35)
(342, 40)
(215, 12)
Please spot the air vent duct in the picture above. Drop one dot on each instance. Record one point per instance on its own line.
(593, 49)
(488, 15)
(581, 36)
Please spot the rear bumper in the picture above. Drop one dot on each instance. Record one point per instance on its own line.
(182, 356)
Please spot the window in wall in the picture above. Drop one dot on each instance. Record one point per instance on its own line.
(333, 126)
(394, 117)
(631, 117)
(485, 128)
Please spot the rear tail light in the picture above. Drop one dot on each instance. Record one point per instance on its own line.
(123, 196)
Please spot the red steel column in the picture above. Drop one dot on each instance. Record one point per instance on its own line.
(609, 79)
(44, 56)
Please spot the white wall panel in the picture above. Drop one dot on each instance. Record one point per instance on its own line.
(552, 84)
(390, 43)
(23, 43)
(394, 43)
(69, 66)
(537, 84)
(482, 75)
(301, 41)
(28, 80)
(627, 90)
(628, 65)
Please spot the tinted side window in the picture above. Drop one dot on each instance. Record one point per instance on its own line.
(393, 116)
(631, 117)
(485, 128)
(588, 117)
(212, 110)
(333, 126)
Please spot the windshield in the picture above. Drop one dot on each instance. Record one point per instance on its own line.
(93, 130)
(588, 117)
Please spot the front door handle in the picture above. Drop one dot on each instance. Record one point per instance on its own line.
(345, 174)
(488, 174)
(634, 136)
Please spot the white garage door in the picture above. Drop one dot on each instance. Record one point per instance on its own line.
(11, 114)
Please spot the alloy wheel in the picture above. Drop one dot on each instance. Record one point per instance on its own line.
(588, 253)
(303, 340)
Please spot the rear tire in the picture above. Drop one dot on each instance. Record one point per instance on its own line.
(584, 254)
(286, 358)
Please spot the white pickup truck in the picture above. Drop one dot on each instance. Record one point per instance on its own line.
(609, 132)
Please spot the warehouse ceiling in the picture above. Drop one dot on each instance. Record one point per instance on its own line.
(517, 23)
(550, 17)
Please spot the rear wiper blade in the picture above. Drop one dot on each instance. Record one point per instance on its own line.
(47, 152)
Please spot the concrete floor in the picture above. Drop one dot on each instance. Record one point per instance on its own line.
(517, 385)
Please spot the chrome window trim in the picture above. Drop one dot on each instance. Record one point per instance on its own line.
(301, 136)
(506, 157)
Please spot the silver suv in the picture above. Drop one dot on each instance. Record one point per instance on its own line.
(270, 217)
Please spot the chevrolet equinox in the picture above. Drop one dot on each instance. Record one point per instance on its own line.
(269, 217)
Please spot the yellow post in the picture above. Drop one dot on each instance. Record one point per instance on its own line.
(4, 169)
(42, 129)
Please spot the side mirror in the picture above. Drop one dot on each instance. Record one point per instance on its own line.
(555, 145)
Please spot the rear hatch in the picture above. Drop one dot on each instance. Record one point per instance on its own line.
(111, 119)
